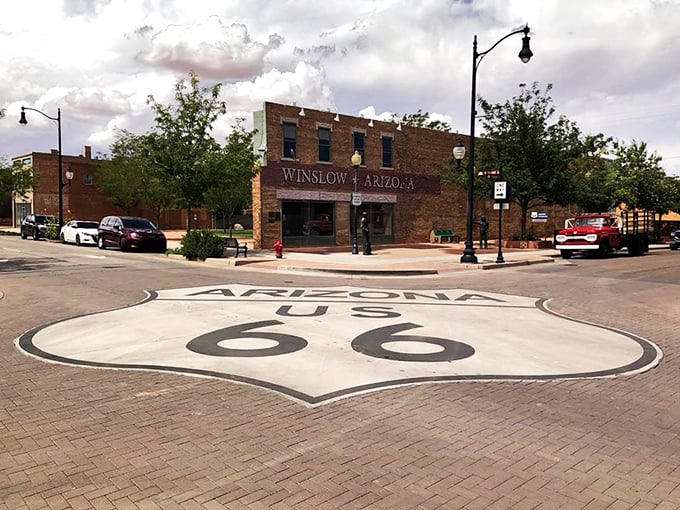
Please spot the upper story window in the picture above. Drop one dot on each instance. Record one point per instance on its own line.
(324, 135)
(88, 180)
(289, 139)
(358, 139)
(387, 151)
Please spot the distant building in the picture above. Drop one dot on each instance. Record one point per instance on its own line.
(82, 198)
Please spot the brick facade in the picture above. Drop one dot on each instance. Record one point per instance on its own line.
(82, 198)
(421, 202)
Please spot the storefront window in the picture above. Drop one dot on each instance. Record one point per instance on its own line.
(380, 221)
(308, 223)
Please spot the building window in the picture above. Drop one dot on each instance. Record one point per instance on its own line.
(387, 151)
(289, 140)
(358, 141)
(324, 135)
(88, 180)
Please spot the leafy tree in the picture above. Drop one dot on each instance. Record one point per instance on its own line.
(231, 171)
(534, 155)
(421, 120)
(15, 179)
(595, 176)
(640, 176)
(181, 139)
(123, 176)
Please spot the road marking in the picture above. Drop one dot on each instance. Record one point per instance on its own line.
(319, 344)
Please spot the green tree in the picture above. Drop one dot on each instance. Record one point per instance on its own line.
(534, 155)
(595, 183)
(231, 171)
(181, 139)
(421, 120)
(640, 177)
(123, 175)
(15, 179)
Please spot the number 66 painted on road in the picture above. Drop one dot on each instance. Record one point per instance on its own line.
(371, 343)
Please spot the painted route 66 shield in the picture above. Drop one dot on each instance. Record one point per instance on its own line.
(317, 344)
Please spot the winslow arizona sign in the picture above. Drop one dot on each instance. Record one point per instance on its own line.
(319, 344)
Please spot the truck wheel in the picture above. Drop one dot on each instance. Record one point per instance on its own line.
(635, 248)
(566, 254)
(603, 249)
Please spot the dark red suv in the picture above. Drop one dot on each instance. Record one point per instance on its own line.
(128, 233)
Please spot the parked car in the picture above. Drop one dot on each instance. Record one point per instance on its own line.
(35, 225)
(675, 239)
(79, 232)
(127, 233)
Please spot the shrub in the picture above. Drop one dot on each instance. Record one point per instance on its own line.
(201, 244)
(53, 229)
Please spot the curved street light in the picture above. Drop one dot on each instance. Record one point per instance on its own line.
(23, 121)
(525, 55)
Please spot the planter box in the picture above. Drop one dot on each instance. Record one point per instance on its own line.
(532, 245)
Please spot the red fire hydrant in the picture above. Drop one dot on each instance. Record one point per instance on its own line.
(278, 249)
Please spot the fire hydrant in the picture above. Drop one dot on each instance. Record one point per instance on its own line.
(278, 249)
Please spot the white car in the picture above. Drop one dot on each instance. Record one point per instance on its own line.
(79, 232)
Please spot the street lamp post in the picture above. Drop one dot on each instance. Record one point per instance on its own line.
(356, 161)
(23, 121)
(525, 55)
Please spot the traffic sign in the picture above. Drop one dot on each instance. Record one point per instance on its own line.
(500, 190)
(497, 206)
(356, 199)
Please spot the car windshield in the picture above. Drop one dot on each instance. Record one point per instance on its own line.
(138, 223)
(87, 224)
(41, 219)
(589, 222)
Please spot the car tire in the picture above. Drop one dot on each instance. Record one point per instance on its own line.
(566, 254)
(23, 234)
(62, 239)
(100, 242)
(77, 239)
(36, 235)
(123, 244)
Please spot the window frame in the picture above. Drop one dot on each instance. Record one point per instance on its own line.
(324, 146)
(387, 153)
(359, 147)
(288, 143)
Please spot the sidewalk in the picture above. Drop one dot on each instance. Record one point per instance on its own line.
(395, 260)
(386, 260)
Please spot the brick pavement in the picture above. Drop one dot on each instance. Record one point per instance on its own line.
(87, 438)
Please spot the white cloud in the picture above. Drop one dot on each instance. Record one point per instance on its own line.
(611, 63)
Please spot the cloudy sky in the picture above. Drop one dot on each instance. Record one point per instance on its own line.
(613, 64)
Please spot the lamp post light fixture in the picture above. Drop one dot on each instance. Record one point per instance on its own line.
(23, 121)
(356, 200)
(525, 55)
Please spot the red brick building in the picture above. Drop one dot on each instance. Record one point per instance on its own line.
(82, 198)
(303, 192)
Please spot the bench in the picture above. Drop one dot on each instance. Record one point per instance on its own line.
(439, 235)
(232, 243)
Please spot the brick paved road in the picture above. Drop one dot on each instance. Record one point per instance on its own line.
(87, 438)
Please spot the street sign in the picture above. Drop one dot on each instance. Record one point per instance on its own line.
(500, 190)
(497, 206)
(356, 199)
(539, 216)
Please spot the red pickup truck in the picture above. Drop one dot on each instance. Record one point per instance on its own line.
(604, 233)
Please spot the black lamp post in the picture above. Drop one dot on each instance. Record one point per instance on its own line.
(525, 55)
(22, 120)
(356, 161)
